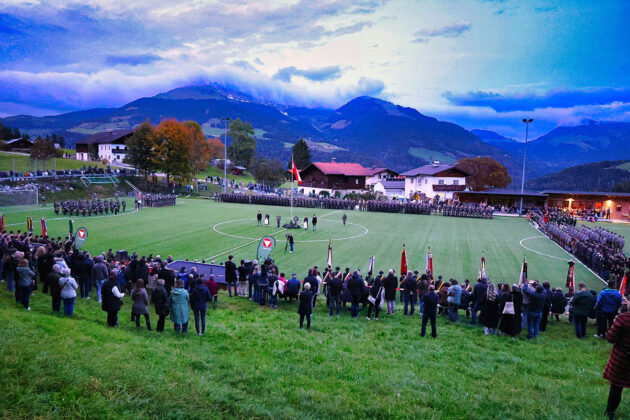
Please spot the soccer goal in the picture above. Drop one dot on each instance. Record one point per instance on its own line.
(13, 198)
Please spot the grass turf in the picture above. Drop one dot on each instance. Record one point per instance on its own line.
(188, 231)
(24, 163)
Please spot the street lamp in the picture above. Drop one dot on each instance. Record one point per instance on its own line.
(527, 121)
(225, 122)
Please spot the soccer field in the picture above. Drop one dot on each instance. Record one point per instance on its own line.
(200, 229)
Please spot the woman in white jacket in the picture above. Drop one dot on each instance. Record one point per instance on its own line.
(68, 291)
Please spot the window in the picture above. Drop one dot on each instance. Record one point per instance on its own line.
(356, 181)
(426, 181)
(456, 182)
(441, 182)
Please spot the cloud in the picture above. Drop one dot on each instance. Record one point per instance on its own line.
(350, 29)
(449, 31)
(258, 61)
(315, 75)
(131, 60)
(530, 101)
(245, 65)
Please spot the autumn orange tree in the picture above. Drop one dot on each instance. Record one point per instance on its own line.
(199, 153)
(172, 142)
(485, 172)
(217, 148)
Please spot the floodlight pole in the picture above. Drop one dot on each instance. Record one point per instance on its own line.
(225, 120)
(527, 121)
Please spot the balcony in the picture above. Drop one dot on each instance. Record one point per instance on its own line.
(448, 188)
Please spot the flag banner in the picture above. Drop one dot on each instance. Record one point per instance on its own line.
(29, 224)
(44, 229)
(1, 222)
(371, 265)
(429, 262)
(330, 257)
(295, 171)
(622, 288)
(523, 278)
(571, 276)
(482, 268)
(71, 226)
(403, 262)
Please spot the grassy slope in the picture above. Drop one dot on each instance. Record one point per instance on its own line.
(255, 363)
(186, 231)
(24, 163)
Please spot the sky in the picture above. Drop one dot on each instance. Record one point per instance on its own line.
(480, 63)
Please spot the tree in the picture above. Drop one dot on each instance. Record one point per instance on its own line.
(42, 149)
(268, 171)
(172, 144)
(141, 152)
(62, 142)
(242, 151)
(485, 172)
(301, 154)
(199, 148)
(216, 148)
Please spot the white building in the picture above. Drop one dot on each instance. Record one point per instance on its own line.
(375, 175)
(394, 188)
(435, 179)
(108, 146)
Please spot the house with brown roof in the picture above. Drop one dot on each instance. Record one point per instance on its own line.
(107, 146)
(435, 179)
(21, 145)
(334, 176)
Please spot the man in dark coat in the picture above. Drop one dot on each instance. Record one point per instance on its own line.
(111, 300)
(168, 276)
(429, 303)
(390, 284)
(477, 296)
(335, 287)
(305, 307)
(582, 303)
(355, 287)
(410, 293)
(376, 292)
(159, 298)
(230, 275)
(55, 288)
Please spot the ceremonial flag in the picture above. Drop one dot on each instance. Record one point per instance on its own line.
(139, 197)
(295, 171)
(622, 288)
(371, 265)
(571, 276)
(430, 261)
(403, 262)
(29, 224)
(330, 260)
(1, 222)
(44, 229)
(523, 278)
(71, 227)
(482, 267)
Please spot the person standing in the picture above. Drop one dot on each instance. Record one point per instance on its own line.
(199, 298)
(389, 284)
(55, 288)
(582, 304)
(305, 307)
(267, 220)
(259, 218)
(410, 293)
(159, 298)
(68, 290)
(241, 286)
(430, 304)
(454, 300)
(99, 275)
(376, 293)
(534, 308)
(179, 307)
(608, 303)
(355, 287)
(335, 287)
(490, 310)
(617, 371)
(314, 221)
(291, 241)
(111, 300)
(511, 308)
(140, 306)
(344, 218)
(230, 275)
(306, 223)
(478, 294)
(25, 281)
(278, 219)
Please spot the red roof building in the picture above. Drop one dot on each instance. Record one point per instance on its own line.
(334, 176)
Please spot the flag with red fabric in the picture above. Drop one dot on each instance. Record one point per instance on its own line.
(482, 268)
(44, 228)
(622, 288)
(1, 222)
(429, 262)
(403, 262)
(295, 171)
(571, 276)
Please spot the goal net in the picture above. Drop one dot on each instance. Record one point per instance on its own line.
(18, 198)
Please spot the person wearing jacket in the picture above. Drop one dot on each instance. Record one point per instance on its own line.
(376, 291)
(490, 310)
(558, 303)
(582, 304)
(478, 294)
(511, 322)
(390, 284)
(99, 275)
(140, 306)
(305, 307)
(199, 298)
(262, 286)
(25, 281)
(68, 291)
(335, 288)
(454, 300)
(608, 303)
(534, 308)
(55, 289)
(410, 286)
(179, 299)
(111, 300)
(230, 275)
(617, 371)
(159, 298)
(45, 262)
(546, 307)
(9, 266)
(293, 287)
(213, 288)
(355, 287)
(430, 305)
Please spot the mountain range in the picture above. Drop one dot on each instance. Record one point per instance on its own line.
(366, 129)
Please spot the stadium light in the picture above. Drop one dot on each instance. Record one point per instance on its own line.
(225, 120)
(527, 121)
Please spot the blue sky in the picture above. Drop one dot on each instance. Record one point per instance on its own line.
(480, 63)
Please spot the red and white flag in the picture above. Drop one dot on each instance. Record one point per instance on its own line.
(571, 276)
(482, 268)
(295, 171)
(403, 262)
(44, 228)
(622, 288)
(430, 262)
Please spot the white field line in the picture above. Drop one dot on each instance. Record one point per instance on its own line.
(551, 256)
